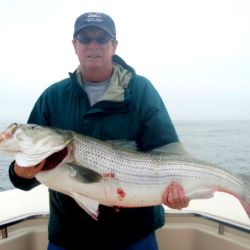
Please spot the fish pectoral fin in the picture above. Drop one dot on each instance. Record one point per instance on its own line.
(90, 206)
(83, 174)
(205, 193)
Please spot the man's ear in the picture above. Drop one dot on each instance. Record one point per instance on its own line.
(74, 44)
(115, 44)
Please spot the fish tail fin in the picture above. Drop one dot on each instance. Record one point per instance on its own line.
(246, 207)
(245, 201)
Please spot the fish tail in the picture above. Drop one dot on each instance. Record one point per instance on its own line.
(245, 201)
(246, 207)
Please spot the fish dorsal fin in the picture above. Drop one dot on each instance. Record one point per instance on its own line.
(90, 206)
(131, 145)
(174, 148)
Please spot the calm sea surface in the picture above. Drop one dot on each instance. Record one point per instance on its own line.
(226, 143)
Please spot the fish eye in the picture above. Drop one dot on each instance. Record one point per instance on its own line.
(33, 126)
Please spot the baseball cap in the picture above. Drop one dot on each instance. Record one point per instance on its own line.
(95, 19)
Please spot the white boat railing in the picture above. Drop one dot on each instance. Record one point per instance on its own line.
(220, 221)
(6, 224)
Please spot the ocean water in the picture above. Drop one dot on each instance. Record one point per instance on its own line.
(225, 143)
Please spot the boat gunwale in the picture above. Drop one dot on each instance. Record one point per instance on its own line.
(4, 225)
(220, 221)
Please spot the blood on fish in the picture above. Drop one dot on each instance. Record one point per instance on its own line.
(109, 175)
(120, 192)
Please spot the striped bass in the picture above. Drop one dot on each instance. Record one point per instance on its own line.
(94, 172)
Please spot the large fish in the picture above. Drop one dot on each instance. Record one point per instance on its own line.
(93, 171)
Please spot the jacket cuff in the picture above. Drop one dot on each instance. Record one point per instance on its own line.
(19, 182)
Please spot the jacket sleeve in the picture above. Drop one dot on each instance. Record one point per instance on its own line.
(157, 128)
(39, 115)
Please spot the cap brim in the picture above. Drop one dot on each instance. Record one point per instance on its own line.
(91, 25)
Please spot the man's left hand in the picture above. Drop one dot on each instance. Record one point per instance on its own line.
(174, 196)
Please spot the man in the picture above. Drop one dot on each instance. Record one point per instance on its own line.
(106, 99)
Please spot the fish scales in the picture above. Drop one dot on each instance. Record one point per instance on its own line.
(138, 168)
(106, 159)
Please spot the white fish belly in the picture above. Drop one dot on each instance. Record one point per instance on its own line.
(107, 191)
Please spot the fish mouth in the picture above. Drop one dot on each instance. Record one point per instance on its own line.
(8, 132)
(55, 159)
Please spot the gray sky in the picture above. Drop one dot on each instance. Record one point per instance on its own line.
(196, 53)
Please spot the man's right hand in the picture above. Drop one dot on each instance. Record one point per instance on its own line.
(28, 172)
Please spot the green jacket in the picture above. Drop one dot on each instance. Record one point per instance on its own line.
(131, 109)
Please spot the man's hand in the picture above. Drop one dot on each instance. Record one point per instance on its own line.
(28, 172)
(174, 196)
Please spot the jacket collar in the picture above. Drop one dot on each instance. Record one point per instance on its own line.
(117, 96)
(118, 83)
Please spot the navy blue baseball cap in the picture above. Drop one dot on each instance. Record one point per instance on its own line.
(95, 19)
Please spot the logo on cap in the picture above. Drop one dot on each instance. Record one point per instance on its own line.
(94, 17)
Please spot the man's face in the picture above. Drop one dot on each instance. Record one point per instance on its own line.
(94, 48)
